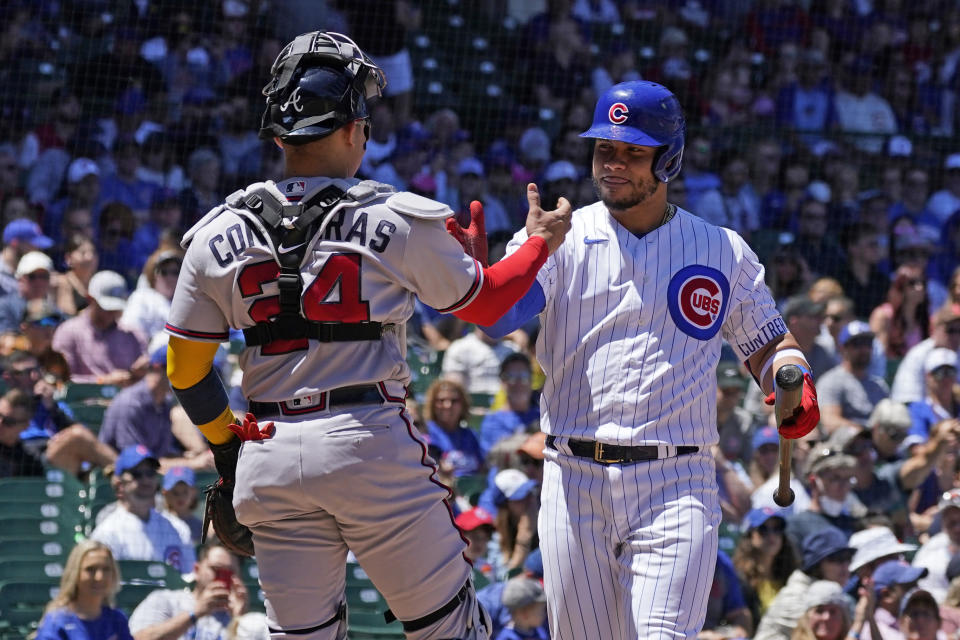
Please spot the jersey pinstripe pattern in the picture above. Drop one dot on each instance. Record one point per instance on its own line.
(631, 336)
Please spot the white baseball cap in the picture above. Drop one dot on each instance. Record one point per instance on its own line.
(875, 543)
(81, 168)
(109, 290)
(938, 357)
(33, 261)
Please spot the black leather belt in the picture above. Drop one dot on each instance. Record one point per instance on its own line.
(360, 394)
(617, 454)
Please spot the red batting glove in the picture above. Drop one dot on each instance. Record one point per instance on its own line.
(472, 236)
(249, 430)
(805, 417)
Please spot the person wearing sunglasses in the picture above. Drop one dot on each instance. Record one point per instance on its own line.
(910, 382)
(34, 273)
(889, 424)
(825, 555)
(149, 304)
(15, 459)
(830, 479)
(764, 558)
(135, 530)
(521, 413)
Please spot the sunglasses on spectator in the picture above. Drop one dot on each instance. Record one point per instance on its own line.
(39, 275)
(171, 271)
(835, 317)
(515, 377)
(953, 331)
(894, 432)
(49, 321)
(944, 373)
(771, 528)
(141, 474)
(840, 557)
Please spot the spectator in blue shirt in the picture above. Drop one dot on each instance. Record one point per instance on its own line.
(82, 610)
(455, 446)
(522, 413)
(940, 372)
(526, 601)
(726, 607)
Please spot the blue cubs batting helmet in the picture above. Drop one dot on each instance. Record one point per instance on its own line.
(321, 81)
(646, 114)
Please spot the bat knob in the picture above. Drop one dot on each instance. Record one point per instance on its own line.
(784, 499)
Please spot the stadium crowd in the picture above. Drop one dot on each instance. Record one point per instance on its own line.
(823, 131)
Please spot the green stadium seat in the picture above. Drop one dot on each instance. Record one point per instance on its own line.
(89, 391)
(365, 598)
(18, 595)
(39, 527)
(479, 580)
(89, 415)
(65, 512)
(35, 570)
(34, 548)
(146, 572)
(19, 623)
(131, 595)
(42, 490)
(370, 625)
(470, 487)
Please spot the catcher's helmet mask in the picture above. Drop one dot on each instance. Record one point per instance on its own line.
(646, 114)
(320, 82)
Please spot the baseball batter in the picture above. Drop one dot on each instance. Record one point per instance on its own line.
(634, 308)
(320, 271)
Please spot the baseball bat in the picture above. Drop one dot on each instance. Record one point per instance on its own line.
(789, 392)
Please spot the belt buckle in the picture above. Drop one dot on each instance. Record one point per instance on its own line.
(598, 454)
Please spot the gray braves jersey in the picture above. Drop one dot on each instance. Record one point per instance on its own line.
(365, 264)
(632, 327)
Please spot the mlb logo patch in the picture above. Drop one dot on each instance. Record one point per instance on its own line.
(297, 186)
(697, 299)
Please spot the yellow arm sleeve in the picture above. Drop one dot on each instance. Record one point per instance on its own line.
(189, 362)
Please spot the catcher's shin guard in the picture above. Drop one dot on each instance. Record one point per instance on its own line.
(462, 618)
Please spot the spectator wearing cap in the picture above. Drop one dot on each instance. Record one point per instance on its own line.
(83, 192)
(891, 581)
(734, 423)
(39, 322)
(764, 558)
(859, 274)
(849, 392)
(97, 349)
(826, 614)
(830, 478)
(149, 304)
(526, 601)
(935, 554)
(940, 401)
(889, 424)
(522, 413)
(124, 185)
(560, 180)
(825, 556)
(179, 492)
(477, 526)
(874, 546)
(53, 434)
(517, 503)
(135, 530)
(491, 596)
(33, 274)
(20, 237)
(837, 313)
(698, 169)
(909, 383)
(472, 185)
(727, 612)
(943, 203)
(140, 414)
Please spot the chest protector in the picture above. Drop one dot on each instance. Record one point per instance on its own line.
(290, 229)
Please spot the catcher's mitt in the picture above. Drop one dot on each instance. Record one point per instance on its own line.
(218, 509)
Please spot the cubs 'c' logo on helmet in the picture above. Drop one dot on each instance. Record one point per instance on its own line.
(697, 299)
(618, 113)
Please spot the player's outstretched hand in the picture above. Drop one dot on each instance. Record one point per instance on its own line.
(552, 226)
(470, 230)
(805, 417)
(250, 430)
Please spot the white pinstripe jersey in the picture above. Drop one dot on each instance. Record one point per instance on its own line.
(158, 539)
(365, 265)
(632, 327)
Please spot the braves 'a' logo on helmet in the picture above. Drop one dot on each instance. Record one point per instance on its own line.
(618, 113)
(697, 299)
